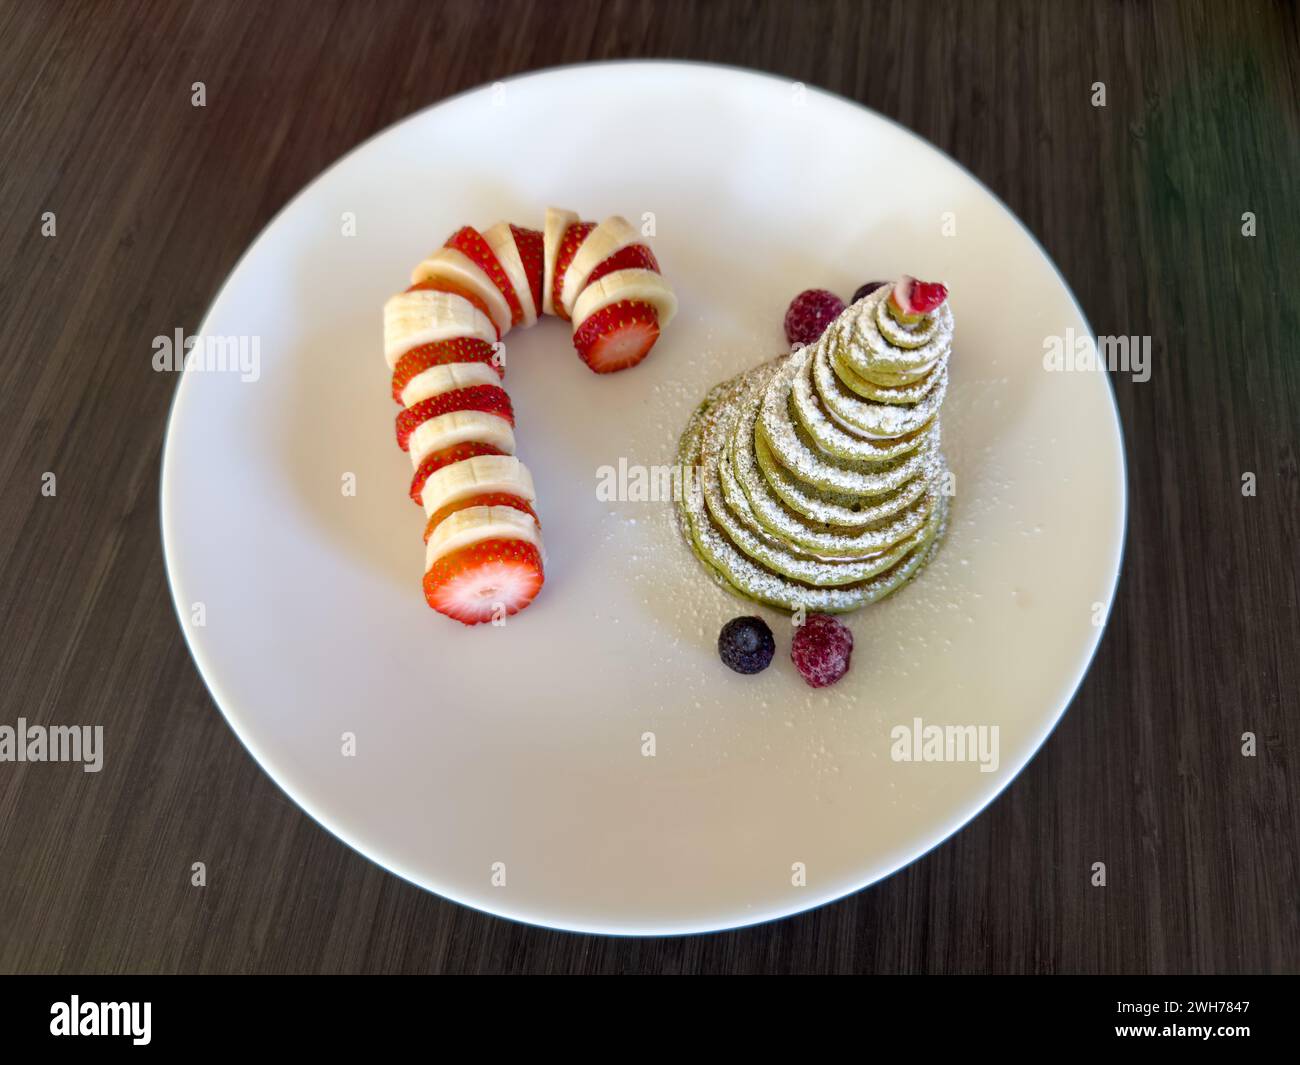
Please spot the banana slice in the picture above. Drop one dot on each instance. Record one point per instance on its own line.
(452, 264)
(502, 242)
(476, 476)
(611, 236)
(473, 524)
(424, 317)
(447, 378)
(557, 221)
(643, 285)
(459, 427)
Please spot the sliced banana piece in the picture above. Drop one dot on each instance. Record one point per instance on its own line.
(611, 236)
(425, 317)
(447, 378)
(475, 524)
(645, 286)
(502, 242)
(557, 221)
(476, 476)
(452, 264)
(459, 427)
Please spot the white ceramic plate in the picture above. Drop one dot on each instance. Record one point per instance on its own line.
(523, 744)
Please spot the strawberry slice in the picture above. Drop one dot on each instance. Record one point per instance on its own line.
(442, 353)
(491, 399)
(569, 245)
(436, 460)
(927, 295)
(633, 257)
(531, 245)
(471, 243)
(486, 499)
(438, 284)
(619, 336)
(911, 300)
(484, 581)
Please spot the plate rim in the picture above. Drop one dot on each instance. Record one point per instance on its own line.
(700, 927)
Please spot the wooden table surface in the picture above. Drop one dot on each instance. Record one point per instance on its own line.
(1140, 203)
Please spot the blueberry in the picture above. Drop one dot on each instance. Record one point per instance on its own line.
(746, 645)
(867, 290)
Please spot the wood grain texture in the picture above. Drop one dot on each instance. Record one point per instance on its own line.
(1139, 203)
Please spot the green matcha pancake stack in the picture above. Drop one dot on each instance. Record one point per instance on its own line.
(816, 479)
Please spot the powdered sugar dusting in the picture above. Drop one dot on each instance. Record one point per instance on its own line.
(810, 494)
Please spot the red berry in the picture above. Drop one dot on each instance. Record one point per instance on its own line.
(485, 581)
(821, 650)
(487, 499)
(491, 399)
(911, 299)
(633, 257)
(531, 245)
(441, 353)
(436, 460)
(470, 242)
(927, 295)
(810, 313)
(569, 245)
(618, 336)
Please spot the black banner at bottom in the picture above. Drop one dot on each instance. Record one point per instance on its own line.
(338, 1014)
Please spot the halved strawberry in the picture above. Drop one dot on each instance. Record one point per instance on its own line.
(911, 300)
(491, 399)
(436, 460)
(531, 245)
(569, 245)
(469, 241)
(438, 284)
(633, 257)
(619, 336)
(927, 295)
(487, 499)
(442, 353)
(487, 580)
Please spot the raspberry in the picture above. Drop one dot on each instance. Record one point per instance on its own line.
(821, 650)
(746, 645)
(810, 313)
